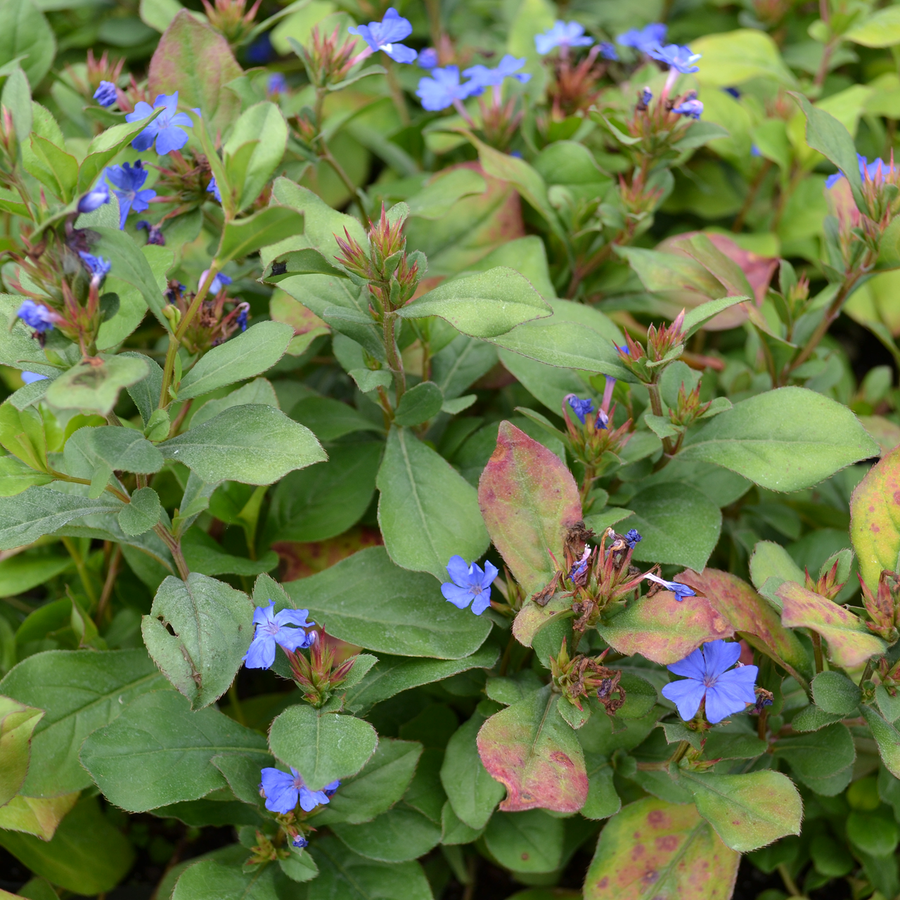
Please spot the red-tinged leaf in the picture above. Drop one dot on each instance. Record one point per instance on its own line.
(850, 643)
(530, 749)
(875, 519)
(531, 618)
(752, 616)
(653, 850)
(300, 560)
(528, 500)
(196, 61)
(664, 630)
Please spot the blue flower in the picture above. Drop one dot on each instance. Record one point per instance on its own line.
(221, 280)
(469, 584)
(562, 34)
(94, 198)
(384, 35)
(36, 316)
(96, 265)
(271, 629)
(242, 319)
(706, 676)
(676, 57)
(679, 590)
(166, 128)
(690, 107)
(755, 151)
(277, 84)
(509, 67)
(428, 58)
(127, 182)
(868, 171)
(632, 537)
(443, 88)
(300, 842)
(581, 408)
(608, 51)
(646, 97)
(213, 188)
(283, 791)
(154, 233)
(261, 50)
(732, 92)
(643, 39)
(105, 95)
(581, 566)
(32, 377)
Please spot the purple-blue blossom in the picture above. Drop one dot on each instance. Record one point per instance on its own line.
(167, 129)
(508, 68)
(562, 34)
(676, 57)
(643, 39)
(242, 318)
(128, 186)
(690, 107)
(32, 377)
(581, 565)
(646, 96)
(428, 58)
(94, 198)
(277, 84)
(36, 316)
(213, 188)
(154, 233)
(679, 590)
(443, 89)
(96, 265)
(273, 628)
(632, 537)
(708, 676)
(581, 408)
(283, 791)
(300, 842)
(385, 34)
(469, 584)
(608, 50)
(874, 171)
(221, 280)
(105, 95)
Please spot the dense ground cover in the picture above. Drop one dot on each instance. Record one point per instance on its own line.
(449, 451)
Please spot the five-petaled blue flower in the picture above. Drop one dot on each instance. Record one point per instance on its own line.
(96, 265)
(676, 57)
(643, 39)
(679, 590)
(428, 58)
(562, 34)
(277, 84)
(691, 107)
(632, 536)
(283, 791)
(128, 182)
(581, 408)
(166, 128)
(442, 89)
(105, 95)
(706, 676)
(32, 377)
(94, 198)
(508, 67)
(469, 584)
(36, 315)
(271, 629)
(213, 188)
(384, 35)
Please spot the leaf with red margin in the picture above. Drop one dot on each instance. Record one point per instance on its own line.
(850, 643)
(653, 849)
(664, 630)
(528, 500)
(753, 617)
(530, 749)
(875, 519)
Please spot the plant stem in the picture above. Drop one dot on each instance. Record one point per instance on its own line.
(817, 651)
(326, 156)
(789, 882)
(80, 567)
(175, 547)
(396, 92)
(109, 583)
(395, 362)
(236, 703)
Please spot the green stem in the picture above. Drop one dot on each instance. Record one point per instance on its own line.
(789, 882)
(817, 651)
(395, 361)
(397, 92)
(174, 546)
(80, 567)
(326, 155)
(236, 704)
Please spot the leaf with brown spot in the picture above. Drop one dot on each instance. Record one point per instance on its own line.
(875, 519)
(752, 616)
(664, 630)
(528, 500)
(530, 749)
(850, 643)
(653, 850)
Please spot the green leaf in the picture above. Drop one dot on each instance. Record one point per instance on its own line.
(530, 841)
(204, 554)
(322, 747)
(215, 879)
(253, 444)
(534, 753)
(815, 759)
(701, 314)
(96, 387)
(805, 437)
(264, 125)
(95, 453)
(244, 356)
(881, 29)
(330, 419)
(529, 500)
(105, 147)
(404, 612)
(419, 404)
(142, 513)
(196, 61)
(197, 633)
(887, 737)
(52, 166)
(850, 643)
(36, 815)
(80, 691)
(87, 855)
(158, 752)
(874, 530)
(738, 56)
(26, 34)
(683, 854)
(485, 305)
(747, 811)
(17, 722)
(836, 694)
(427, 511)
(268, 226)
(398, 835)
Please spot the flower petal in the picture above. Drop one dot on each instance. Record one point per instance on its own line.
(298, 617)
(720, 656)
(458, 570)
(481, 602)
(144, 141)
(686, 695)
(692, 666)
(490, 573)
(261, 654)
(460, 597)
(262, 615)
(731, 693)
(293, 639)
(170, 139)
(284, 798)
(401, 53)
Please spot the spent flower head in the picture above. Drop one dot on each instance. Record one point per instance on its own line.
(469, 584)
(679, 590)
